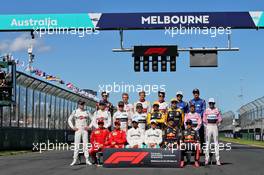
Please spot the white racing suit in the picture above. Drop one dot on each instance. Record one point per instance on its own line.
(153, 136)
(211, 120)
(142, 120)
(145, 104)
(163, 106)
(129, 108)
(135, 137)
(122, 116)
(101, 115)
(80, 119)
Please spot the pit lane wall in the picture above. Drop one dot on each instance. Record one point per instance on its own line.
(40, 114)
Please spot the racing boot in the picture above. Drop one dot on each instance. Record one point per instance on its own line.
(182, 164)
(218, 163)
(93, 159)
(73, 162)
(87, 161)
(196, 164)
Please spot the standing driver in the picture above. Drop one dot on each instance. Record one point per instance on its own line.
(200, 107)
(80, 126)
(212, 119)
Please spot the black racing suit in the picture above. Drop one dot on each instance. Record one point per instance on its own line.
(190, 142)
(177, 116)
(172, 137)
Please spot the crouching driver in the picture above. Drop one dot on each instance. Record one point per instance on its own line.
(172, 135)
(117, 138)
(190, 143)
(153, 136)
(98, 140)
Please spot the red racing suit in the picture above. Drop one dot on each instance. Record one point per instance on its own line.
(98, 140)
(116, 139)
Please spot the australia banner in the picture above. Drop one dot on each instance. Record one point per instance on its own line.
(132, 21)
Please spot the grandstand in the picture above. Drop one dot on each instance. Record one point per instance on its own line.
(252, 119)
(230, 125)
(39, 114)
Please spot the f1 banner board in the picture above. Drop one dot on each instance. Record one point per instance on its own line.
(132, 21)
(155, 51)
(120, 158)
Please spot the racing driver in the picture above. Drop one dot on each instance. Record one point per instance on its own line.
(109, 105)
(200, 107)
(190, 142)
(80, 126)
(176, 114)
(122, 116)
(142, 100)
(157, 115)
(163, 105)
(153, 136)
(140, 116)
(212, 119)
(135, 135)
(194, 117)
(101, 114)
(98, 140)
(117, 138)
(182, 104)
(172, 135)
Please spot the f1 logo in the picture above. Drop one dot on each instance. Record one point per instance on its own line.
(155, 50)
(132, 157)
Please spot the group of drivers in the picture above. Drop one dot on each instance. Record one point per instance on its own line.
(140, 126)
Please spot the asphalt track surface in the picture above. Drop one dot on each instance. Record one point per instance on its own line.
(240, 160)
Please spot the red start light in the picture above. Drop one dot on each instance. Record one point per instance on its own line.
(155, 50)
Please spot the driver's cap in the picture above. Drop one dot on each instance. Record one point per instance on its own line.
(196, 91)
(135, 120)
(155, 103)
(153, 121)
(188, 122)
(211, 100)
(117, 122)
(179, 93)
(100, 121)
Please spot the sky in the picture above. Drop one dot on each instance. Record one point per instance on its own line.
(89, 62)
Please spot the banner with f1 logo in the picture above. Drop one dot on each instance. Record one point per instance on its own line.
(120, 158)
(155, 51)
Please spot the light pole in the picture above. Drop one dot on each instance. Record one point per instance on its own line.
(241, 95)
(30, 58)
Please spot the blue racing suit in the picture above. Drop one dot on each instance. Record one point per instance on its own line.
(200, 105)
(183, 106)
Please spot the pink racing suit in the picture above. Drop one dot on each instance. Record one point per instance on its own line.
(195, 118)
(211, 119)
